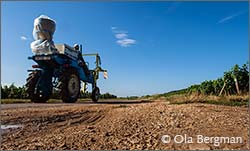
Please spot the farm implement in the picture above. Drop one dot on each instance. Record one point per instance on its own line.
(59, 67)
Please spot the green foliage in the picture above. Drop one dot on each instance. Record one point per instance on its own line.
(243, 78)
(85, 95)
(206, 87)
(14, 92)
(213, 87)
(217, 85)
(218, 102)
(132, 97)
(193, 88)
(175, 92)
(103, 96)
(108, 96)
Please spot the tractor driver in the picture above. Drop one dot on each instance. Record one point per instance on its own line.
(82, 63)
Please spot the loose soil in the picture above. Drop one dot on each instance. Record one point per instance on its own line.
(120, 125)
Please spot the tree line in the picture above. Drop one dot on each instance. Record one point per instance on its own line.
(233, 81)
(15, 92)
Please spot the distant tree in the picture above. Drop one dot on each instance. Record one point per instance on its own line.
(243, 78)
(132, 97)
(4, 93)
(194, 88)
(211, 87)
(217, 85)
(108, 96)
(85, 95)
(207, 87)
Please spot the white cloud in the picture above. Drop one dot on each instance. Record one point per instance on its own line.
(23, 38)
(227, 18)
(126, 42)
(122, 37)
(113, 28)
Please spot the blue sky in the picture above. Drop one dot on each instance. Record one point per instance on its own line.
(147, 47)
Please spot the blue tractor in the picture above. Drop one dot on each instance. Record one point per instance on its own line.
(59, 67)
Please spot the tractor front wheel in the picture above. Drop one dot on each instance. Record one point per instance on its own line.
(95, 94)
(69, 85)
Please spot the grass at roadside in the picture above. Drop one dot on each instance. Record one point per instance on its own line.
(12, 101)
(233, 100)
(218, 102)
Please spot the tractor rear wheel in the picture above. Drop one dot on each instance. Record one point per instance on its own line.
(30, 85)
(69, 85)
(95, 94)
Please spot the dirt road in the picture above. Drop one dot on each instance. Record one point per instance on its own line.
(121, 125)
